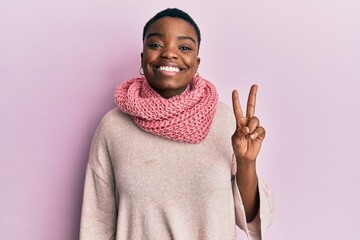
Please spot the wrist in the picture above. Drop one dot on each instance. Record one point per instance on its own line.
(246, 170)
(245, 164)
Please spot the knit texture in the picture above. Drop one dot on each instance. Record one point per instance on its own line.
(186, 117)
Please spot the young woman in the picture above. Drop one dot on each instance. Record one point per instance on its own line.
(166, 163)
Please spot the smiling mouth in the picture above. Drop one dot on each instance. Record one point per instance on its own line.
(168, 68)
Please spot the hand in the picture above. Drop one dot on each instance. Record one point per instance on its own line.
(248, 135)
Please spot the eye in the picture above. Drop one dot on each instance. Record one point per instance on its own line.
(154, 45)
(185, 48)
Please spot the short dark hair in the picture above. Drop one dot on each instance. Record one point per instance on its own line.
(175, 13)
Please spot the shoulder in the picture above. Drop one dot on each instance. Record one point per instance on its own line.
(116, 116)
(224, 121)
(224, 113)
(222, 106)
(113, 120)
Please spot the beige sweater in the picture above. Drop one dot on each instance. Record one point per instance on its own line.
(142, 186)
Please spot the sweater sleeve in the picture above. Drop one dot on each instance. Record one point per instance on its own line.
(99, 209)
(255, 229)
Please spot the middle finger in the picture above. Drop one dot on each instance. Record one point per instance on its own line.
(250, 110)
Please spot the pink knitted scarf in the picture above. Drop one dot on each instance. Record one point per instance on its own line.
(186, 117)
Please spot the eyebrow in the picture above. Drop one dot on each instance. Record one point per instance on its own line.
(155, 34)
(186, 37)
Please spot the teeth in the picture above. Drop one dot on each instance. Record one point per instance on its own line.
(169, 69)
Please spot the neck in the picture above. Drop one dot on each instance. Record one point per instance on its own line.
(169, 93)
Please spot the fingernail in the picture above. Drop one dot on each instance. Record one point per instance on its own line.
(252, 136)
(245, 130)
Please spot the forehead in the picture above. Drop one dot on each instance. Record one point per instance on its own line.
(172, 25)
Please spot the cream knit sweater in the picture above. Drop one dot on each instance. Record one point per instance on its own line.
(142, 186)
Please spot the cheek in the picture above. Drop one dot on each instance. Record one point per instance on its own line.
(147, 56)
(147, 62)
(193, 61)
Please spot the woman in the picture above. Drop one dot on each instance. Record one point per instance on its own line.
(167, 164)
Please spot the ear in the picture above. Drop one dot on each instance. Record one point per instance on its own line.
(141, 55)
(197, 63)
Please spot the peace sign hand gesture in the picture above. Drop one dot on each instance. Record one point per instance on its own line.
(249, 135)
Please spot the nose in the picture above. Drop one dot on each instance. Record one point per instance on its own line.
(169, 53)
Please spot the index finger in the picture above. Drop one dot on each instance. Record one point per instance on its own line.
(236, 106)
(250, 110)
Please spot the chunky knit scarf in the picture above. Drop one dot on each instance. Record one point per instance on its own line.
(186, 117)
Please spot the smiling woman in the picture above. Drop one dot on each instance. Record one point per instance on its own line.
(167, 164)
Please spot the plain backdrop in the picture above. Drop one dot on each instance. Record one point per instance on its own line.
(61, 60)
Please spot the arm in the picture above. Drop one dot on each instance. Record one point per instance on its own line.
(246, 142)
(263, 218)
(98, 217)
(99, 209)
(247, 182)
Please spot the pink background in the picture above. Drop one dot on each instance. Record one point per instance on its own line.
(61, 60)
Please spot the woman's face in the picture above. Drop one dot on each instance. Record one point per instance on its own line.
(169, 56)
